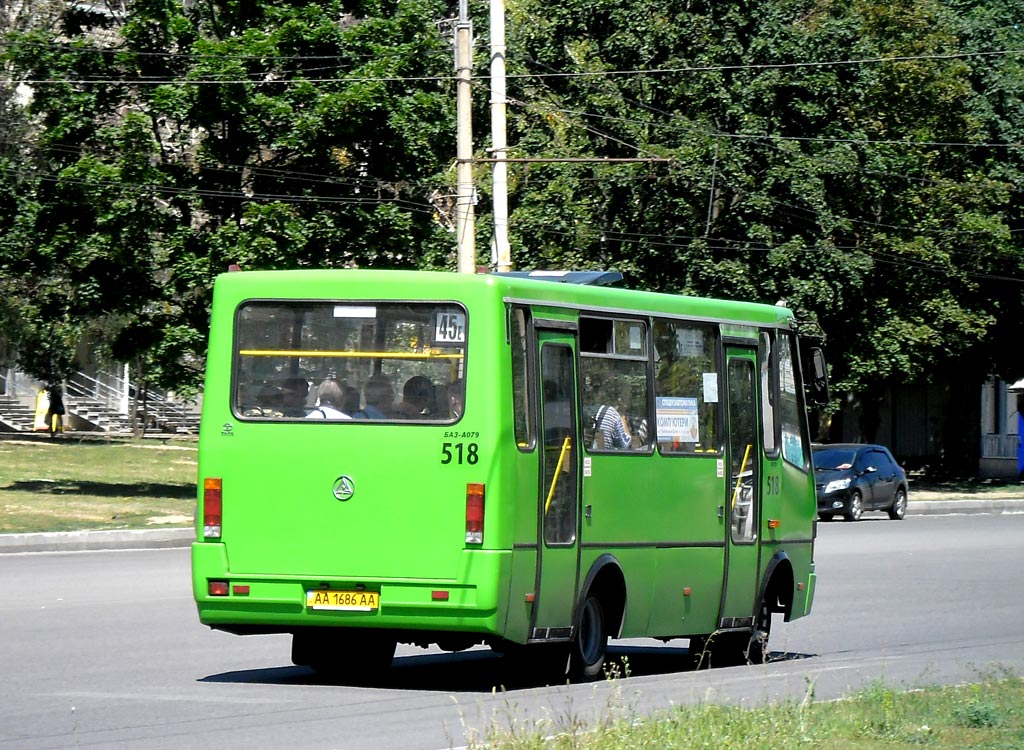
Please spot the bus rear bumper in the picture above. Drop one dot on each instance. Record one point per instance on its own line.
(278, 603)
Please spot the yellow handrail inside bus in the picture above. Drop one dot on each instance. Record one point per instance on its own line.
(739, 477)
(558, 470)
(429, 354)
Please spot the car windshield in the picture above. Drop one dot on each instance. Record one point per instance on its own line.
(831, 459)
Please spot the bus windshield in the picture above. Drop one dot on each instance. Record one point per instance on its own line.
(325, 360)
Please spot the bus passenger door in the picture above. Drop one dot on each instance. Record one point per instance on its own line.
(558, 496)
(742, 502)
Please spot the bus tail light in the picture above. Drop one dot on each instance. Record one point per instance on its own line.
(474, 513)
(212, 507)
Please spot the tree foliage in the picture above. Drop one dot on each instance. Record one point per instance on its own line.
(171, 143)
(858, 159)
(855, 159)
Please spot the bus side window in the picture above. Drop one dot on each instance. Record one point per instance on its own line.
(613, 369)
(686, 387)
(791, 408)
(518, 340)
(768, 367)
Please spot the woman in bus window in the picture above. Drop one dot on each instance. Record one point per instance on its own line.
(329, 402)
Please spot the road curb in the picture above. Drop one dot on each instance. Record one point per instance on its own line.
(946, 507)
(80, 541)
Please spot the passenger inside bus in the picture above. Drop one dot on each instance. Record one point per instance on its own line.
(329, 402)
(610, 431)
(456, 398)
(270, 401)
(379, 396)
(612, 426)
(417, 398)
(349, 400)
(294, 392)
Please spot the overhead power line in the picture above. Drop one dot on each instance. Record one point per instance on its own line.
(769, 66)
(518, 76)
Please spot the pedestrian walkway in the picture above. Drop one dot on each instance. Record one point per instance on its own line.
(80, 541)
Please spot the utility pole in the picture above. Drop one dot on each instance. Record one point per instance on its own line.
(499, 144)
(465, 226)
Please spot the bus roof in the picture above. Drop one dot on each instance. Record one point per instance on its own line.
(335, 284)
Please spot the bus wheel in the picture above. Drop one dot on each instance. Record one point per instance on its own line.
(856, 509)
(352, 656)
(700, 651)
(757, 645)
(721, 649)
(590, 644)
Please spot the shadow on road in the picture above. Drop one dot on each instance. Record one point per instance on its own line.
(103, 489)
(479, 671)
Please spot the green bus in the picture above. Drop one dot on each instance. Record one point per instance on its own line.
(504, 459)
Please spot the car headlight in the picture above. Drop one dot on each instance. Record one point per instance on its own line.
(837, 484)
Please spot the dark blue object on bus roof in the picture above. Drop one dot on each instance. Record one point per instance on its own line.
(594, 278)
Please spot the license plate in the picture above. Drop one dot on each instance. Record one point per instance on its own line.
(356, 601)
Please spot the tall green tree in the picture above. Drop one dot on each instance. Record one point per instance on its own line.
(855, 158)
(851, 158)
(175, 142)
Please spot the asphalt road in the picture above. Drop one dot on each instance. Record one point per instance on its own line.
(103, 650)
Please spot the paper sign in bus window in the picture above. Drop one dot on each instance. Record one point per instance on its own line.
(677, 419)
(710, 387)
(350, 311)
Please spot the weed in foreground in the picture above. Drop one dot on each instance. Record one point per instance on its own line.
(987, 715)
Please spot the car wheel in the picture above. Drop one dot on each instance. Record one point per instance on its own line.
(856, 507)
(825, 516)
(899, 505)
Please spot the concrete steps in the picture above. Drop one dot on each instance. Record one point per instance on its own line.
(15, 416)
(86, 413)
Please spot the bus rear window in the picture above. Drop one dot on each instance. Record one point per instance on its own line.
(382, 362)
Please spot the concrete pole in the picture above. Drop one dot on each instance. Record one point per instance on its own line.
(465, 226)
(126, 388)
(499, 142)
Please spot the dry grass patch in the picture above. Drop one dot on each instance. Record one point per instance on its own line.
(64, 485)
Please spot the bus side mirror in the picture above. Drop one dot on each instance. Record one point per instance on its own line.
(818, 382)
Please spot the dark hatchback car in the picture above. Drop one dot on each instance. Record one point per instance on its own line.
(851, 478)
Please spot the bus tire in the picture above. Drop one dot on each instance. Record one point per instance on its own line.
(757, 644)
(723, 648)
(732, 648)
(590, 641)
(339, 654)
(699, 651)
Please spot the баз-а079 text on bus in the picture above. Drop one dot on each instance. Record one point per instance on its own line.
(456, 459)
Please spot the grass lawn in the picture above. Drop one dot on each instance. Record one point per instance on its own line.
(984, 716)
(66, 484)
